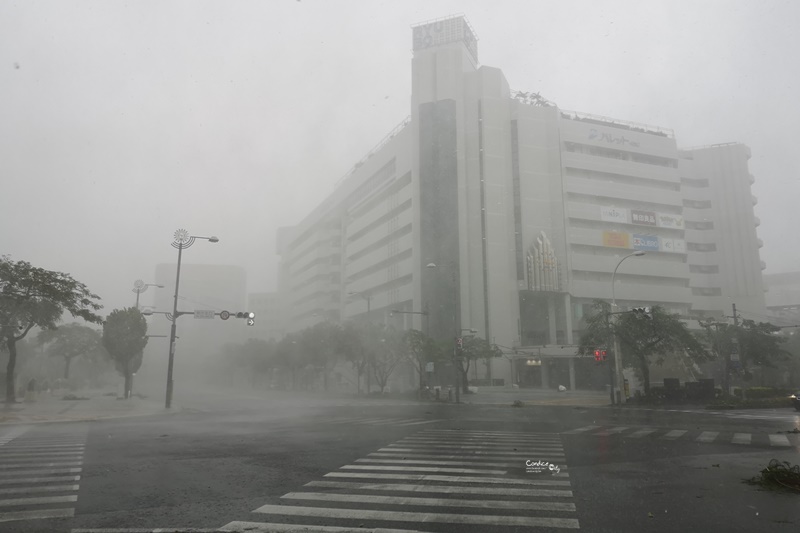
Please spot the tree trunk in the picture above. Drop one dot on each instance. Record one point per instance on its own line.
(11, 344)
(128, 383)
(67, 362)
(645, 375)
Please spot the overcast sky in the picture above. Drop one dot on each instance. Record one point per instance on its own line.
(121, 122)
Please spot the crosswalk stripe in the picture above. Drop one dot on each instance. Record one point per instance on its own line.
(33, 490)
(707, 436)
(430, 502)
(674, 434)
(476, 447)
(272, 527)
(476, 459)
(11, 502)
(50, 479)
(39, 454)
(37, 471)
(405, 516)
(442, 489)
(488, 433)
(642, 433)
(580, 430)
(779, 440)
(741, 438)
(610, 431)
(15, 465)
(518, 464)
(476, 439)
(56, 448)
(418, 423)
(449, 479)
(425, 469)
(478, 453)
(38, 514)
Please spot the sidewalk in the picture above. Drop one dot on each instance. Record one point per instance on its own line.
(93, 405)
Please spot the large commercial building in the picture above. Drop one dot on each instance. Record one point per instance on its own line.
(497, 211)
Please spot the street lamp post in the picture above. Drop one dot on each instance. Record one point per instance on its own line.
(140, 286)
(182, 240)
(617, 353)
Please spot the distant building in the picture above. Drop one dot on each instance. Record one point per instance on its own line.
(495, 210)
(783, 297)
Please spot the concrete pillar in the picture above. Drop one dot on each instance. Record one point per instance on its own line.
(571, 373)
(568, 313)
(545, 374)
(551, 319)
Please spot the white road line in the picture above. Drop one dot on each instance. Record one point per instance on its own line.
(419, 423)
(512, 433)
(470, 440)
(641, 433)
(430, 502)
(475, 447)
(580, 430)
(425, 469)
(707, 436)
(38, 514)
(16, 481)
(449, 479)
(525, 453)
(741, 438)
(272, 527)
(779, 440)
(518, 464)
(396, 421)
(45, 500)
(39, 454)
(38, 465)
(404, 516)
(674, 434)
(55, 448)
(474, 460)
(610, 431)
(442, 489)
(37, 472)
(34, 490)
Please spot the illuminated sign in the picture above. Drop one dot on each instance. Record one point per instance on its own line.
(676, 246)
(648, 218)
(616, 240)
(614, 214)
(670, 221)
(648, 243)
(451, 30)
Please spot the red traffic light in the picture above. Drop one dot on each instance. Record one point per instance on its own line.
(604, 354)
(597, 355)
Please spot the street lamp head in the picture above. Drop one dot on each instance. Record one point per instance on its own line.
(430, 265)
(639, 253)
(160, 286)
(213, 239)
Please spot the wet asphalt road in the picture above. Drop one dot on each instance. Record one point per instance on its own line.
(410, 467)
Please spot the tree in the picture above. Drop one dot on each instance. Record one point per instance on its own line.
(420, 350)
(473, 348)
(388, 352)
(70, 341)
(124, 337)
(642, 340)
(759, 344)
(322, 344)
(32, 296)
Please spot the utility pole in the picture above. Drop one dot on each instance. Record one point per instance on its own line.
(733, 358)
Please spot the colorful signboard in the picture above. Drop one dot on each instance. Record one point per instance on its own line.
(614, 214)
(648, 218)
(616, 239)
(648, 243)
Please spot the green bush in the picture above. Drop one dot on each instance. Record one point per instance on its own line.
(765, 392)
(757, 403)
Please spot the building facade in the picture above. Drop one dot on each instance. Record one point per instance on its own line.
(496, 211)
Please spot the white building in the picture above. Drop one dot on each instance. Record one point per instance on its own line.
(495, 210)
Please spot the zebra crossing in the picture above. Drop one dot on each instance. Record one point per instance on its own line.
(383, 421)
(758, 439)
(39, 475)
(436, 478)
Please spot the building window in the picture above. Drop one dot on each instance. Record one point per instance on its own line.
(704, 269)
(699, 183)
(701, 247)
(706, 291)
(704, 225)
(697, 204)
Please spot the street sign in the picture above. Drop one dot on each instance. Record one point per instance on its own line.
(202, 313)
(224, 315)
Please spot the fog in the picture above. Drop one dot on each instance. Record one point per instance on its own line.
(121, 122)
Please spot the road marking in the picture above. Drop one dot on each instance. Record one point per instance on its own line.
(33, 490)
(27, 464)
(271, 527)
(641, 433)
(707, 436)
(15, 481)
(674, 434)
(36, 515)
(469, 440)
(405, 516)
(40, 454)
(518, 464)
(525, 454)
(741, 438)
(610, 431)
(449, 479)
(418, 423)
(425, 469)
(779, 440)
(475, 447)
(430, 502)
(40, 472)
(38, 501)
(442, 489)
(580, 430)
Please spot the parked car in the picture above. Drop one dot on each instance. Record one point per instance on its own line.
(796, 400)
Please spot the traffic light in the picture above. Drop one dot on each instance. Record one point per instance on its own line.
(459, 343)
(646, 312)
(603, 354)
(597, 355)
(250, 316)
